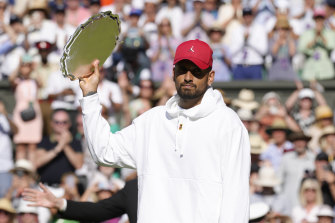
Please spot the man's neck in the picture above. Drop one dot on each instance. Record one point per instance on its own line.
(189, 103)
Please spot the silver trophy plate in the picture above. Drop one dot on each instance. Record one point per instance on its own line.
(95, 39)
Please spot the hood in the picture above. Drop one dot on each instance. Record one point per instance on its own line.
(210, 100)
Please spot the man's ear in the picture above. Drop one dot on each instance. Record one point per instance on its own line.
(211, 76)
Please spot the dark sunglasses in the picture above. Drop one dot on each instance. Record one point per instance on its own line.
(196, 71)
(60, 122)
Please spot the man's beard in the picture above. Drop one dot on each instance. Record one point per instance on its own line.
(190, 94)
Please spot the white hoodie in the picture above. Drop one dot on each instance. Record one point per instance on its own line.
(193, 164)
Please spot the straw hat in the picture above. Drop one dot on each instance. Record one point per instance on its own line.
(328, 130)
(278, 124)
(246, 100)
(322, 112)
(6, 205)
(267, 177)
(299, 136)
(257, 144)
(282, 23)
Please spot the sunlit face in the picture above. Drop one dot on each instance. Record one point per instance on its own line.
(300, 146)
(306, 103)
(25, 70)
(279, 136)
(310, 194)
(4, 216)
(191, 82)
(60, 122)
(28, 218)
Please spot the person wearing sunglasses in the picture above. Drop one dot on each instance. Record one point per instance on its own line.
(192, 155)
(58, 153)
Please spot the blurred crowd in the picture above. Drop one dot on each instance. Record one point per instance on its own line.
(292, 141)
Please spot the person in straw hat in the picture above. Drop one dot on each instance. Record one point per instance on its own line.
(258, 146)
(303, 160)
(327, 140)
(278, 145)
(245, 100)
(323, 118)
(7, 212)
(268, 180)
(282, 48)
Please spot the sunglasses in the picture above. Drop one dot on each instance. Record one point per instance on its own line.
(197, 72)
(60, 122)
(310, 190)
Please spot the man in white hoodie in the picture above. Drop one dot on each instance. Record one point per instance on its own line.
(192, 155)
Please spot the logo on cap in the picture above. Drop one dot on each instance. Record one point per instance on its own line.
(191, 49)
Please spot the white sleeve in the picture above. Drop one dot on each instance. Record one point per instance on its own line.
(106, 148)
(235, 175)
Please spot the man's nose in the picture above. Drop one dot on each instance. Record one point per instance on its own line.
(188, 76)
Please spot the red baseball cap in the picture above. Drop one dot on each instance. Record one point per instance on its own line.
(196, 51)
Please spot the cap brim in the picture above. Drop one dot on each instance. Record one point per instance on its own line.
(196, 61)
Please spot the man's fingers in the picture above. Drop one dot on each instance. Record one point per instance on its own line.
(44, 188)
(96, 65)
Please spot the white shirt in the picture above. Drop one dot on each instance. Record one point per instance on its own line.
(252, 51)
(193, 165)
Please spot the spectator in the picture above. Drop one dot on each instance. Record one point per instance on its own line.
(327, 142)
(221, 54)
(58, 153)
(7, 129)
(268, 181)
(29, 132)
(248, 48)
(197, 22)
(258, 212)
(300, 105)
(63, 29)
(304, 21)
(39, 27)
(4, 12)
(272, 108)
(174, 13)
(75, 14)
(133, 50)
(7, 212)
(325, 214)
(15, 37)
(148, 20)
(303, 160)
(317, 44)
(282, 47)
(310, 200)
(323, 118)
(162, 51)
(325, 177)
(278, 143)
(258, 146)
(229, 18)
(246, 100)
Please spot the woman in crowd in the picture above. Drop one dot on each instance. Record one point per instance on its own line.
(29, 131)
(310, 201)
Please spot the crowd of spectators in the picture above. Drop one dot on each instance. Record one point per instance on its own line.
(292, 141)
